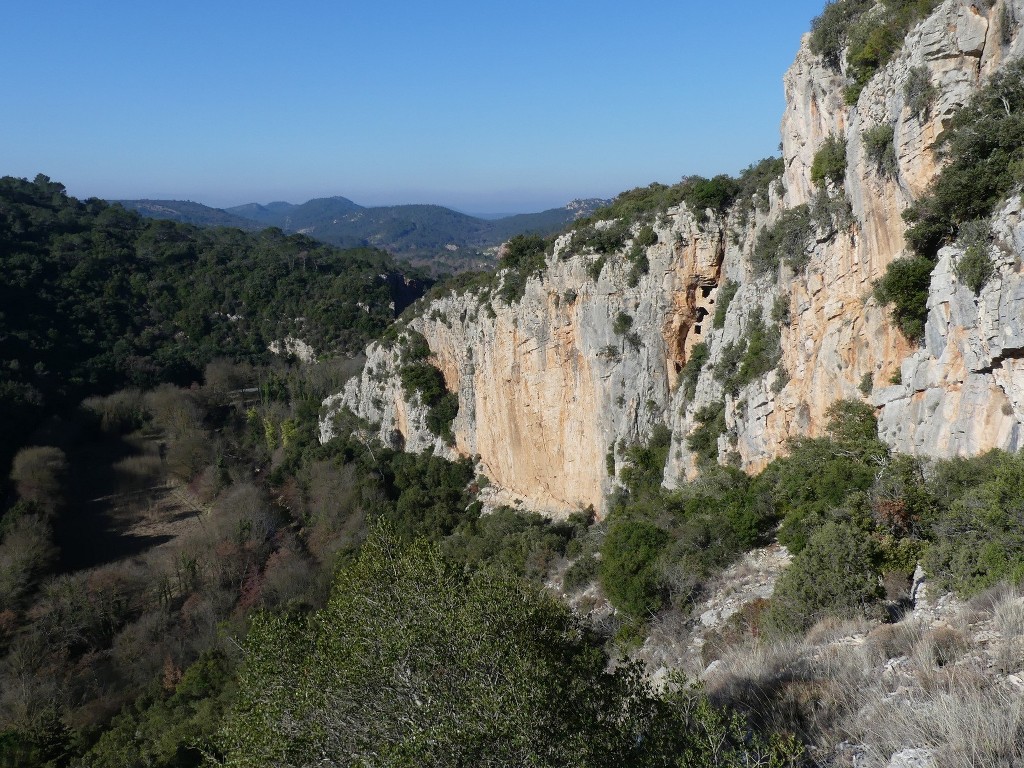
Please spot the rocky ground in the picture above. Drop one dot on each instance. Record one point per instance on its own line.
(942, 686)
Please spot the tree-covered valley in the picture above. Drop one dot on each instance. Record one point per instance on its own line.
(725, 473)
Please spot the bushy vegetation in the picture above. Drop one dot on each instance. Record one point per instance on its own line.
(688, 376)
(726, 293)
(608, 228)
(976, 526)
(835, 574)
(984, 152)
(503, 674)
(786, 240)
(96, 298)
(754, 186)
(424, 379)
(975, 267)
(716, 194)
(746, 360)
(661, 546)
(880, 150)
(869, 35)
(703, 440)
(522, 257)
(829, 162)
(919, 92)
(905, 286)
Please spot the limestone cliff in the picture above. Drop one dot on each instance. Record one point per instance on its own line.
(552, 386)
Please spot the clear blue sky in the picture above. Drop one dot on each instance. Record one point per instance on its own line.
(487, 107)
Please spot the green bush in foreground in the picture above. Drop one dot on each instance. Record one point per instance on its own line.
(415, 662)
(835, 574)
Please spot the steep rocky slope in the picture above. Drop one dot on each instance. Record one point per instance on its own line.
(594, 356)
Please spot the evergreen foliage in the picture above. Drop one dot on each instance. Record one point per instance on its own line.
(523, 256)
(704, 439)
(96, 297)
(699, 354)
(984, 151)
(975, 267)
(919, 92)
(726, 293)
(835, 574)
(416, 662)
(830, 161)
(880, 150)
(868, 33)
(786, 240)
(905, 286)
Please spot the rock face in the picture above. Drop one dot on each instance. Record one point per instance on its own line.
(554, 386)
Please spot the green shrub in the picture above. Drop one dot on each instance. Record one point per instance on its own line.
(830, 30)
(756, 353)
(880, 150)
(869, 33)
(820, 475)
(834, 575)
(646, 237)
(905, 286)
(520, 543)
(415, 662)
(637, 256)
(414, 347)
(522, 256)
(830, 213)
(780, 310)
(442, 414)
(594, 268)
(830, 161)
(581, 573)
(984, 151)
(755, 184)
(688, 376)
(701, 194)
(762, 353)
(975, 267)
(622, 324)
(726, 293)
(786, 239)
(426, 380)
(629, 571)
(726, 370)
(866, 384)
(977, 538)
(918, 92)
(703, 440)
(523, 253)
(640, 267)
(645, 463)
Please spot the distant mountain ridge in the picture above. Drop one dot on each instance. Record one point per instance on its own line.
(432, 236)
(188, 212)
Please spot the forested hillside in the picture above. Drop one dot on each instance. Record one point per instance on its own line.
(95, 297)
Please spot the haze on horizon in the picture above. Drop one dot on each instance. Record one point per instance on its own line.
(479, 107)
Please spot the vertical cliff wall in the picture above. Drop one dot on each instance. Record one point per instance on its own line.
(553, 386)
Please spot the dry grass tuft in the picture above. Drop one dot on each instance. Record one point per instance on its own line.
(890, 641)
(968, 725)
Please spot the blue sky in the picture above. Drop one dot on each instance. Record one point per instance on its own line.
(486, 107)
